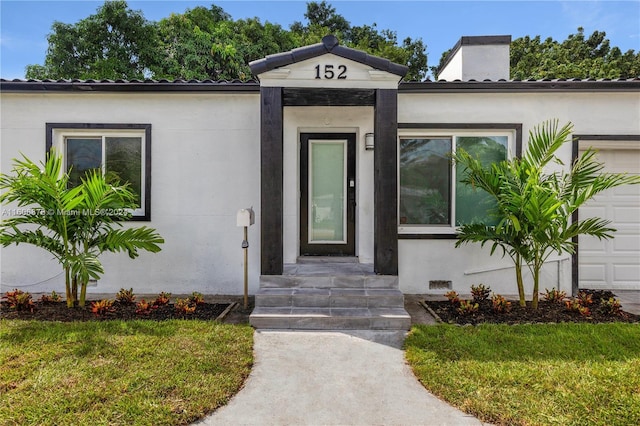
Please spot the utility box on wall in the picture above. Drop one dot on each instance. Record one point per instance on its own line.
(245, 217)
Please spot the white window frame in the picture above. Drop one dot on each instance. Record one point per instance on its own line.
(60, 135)
(449, 228)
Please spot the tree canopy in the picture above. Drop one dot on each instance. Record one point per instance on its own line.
(201, 43)
(206, 43)
(576, 57)
(115, 43)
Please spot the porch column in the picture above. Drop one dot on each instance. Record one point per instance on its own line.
(385, 177)
(271, 181)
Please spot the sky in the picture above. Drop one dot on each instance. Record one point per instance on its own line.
(25, 24)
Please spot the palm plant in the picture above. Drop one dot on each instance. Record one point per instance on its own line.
(534, 206)
(74, 224)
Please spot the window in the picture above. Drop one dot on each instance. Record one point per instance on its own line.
(432, 198)
(122, 152)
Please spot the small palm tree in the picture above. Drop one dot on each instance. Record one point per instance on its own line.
(74, 224)
(533, 206)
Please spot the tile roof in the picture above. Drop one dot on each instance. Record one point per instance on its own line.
(75, 85)
(329, 44)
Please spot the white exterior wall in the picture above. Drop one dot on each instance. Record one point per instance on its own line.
(591, 113)
(478, 62)
(358, 120)
(205, 166)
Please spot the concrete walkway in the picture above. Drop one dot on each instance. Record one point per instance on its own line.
(630, 300)
(333, 378)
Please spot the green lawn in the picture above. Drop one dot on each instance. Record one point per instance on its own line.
(555, 374)
(115, 372)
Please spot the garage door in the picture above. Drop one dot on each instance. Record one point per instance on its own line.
(614, 263)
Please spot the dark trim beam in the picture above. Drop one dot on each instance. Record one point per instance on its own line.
(427, 237)
(271, 181)
(328, 97)
(385, 176)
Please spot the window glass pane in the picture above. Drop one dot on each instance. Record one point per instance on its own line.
(83, 154)
(327, 207)
(474, 205)
(124, 161)
(425, 181)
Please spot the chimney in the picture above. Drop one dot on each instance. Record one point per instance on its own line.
(478, 58)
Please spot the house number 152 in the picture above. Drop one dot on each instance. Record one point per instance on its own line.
(329, 73)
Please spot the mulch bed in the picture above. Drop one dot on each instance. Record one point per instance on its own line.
(58, 311)
(547, 312)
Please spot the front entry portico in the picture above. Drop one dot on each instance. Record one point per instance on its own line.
(326, 202)
(328, 75)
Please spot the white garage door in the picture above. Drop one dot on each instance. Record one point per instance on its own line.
(614, 263)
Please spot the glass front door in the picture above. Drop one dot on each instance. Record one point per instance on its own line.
(327, 202)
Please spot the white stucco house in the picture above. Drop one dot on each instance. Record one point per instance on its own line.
(339, 158)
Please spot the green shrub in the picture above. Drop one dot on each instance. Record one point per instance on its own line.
(52, 298)
(101, 307)
(467, 308)
(183, 306)
(126, 297)
(554, 295)
(500, 304)
(480, 293)
(611, 307)
(196, 298)
(19, 300)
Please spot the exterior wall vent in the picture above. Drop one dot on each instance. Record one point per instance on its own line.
(440, 285)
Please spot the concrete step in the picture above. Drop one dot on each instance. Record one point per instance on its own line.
(326, 259)
(310, 318)
(323, 280)
(329, 297)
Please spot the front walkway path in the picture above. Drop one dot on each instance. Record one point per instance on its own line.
(333, 378)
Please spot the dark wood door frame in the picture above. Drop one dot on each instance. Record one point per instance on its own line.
(327, 249)
(385, 177)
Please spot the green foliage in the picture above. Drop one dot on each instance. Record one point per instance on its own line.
(162, 299)
(125, 297)
(576, 57)
(577, 305)
(52, 298)
(114, 43)
(611, 306)
(196, 298)
(585, 299)
(101, 307)
(184, 306)
(554, 295)
(468, 307)
(538, 374)
(453, 297)
(120, 373)
(480, 292)
(19, 300)
(500, 304)
(322, 19)
(201, 43)
(63, 220)
(534, 206)
(580, 304)
(144, 308)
